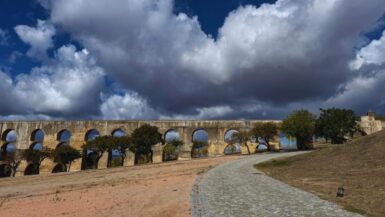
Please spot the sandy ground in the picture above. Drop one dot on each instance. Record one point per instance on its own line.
(153, 190)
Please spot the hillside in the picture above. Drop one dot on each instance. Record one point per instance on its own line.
(358, 166)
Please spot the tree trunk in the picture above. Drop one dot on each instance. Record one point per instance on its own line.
(109, 159)
(268, 145)
(69, 166)
(248, 149)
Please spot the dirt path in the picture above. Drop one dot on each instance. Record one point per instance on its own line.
(155, 190)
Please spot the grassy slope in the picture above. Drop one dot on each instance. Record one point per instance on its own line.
(359, 166)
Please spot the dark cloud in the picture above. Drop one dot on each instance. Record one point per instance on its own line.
(264, 62)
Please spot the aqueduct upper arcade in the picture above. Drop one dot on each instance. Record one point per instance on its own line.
(36, 134)
(20, 135)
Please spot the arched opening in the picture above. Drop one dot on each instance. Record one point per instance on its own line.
(90, 157)
(64, 136)
(9, 135)
(115, 157)
(37, 136)
(171, 149)
(261, 146)
(233, 145)
(8, 152)
(59, 168)
(200, 140)
(5, 170)
(32, 169)
(8, 159)
(37, 146)
(287, 142)
(91, 135)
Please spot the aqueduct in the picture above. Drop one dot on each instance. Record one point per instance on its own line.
(36, 134)
(20, 135)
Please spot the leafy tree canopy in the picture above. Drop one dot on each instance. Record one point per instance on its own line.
(65, 154)
(266, 131)
(301, 125)
(335, 124)
(36, 156)
(243, 137)
(144, 137)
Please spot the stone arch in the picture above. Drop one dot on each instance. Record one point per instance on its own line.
(61, 144)
(200, 138)
(200, 134)
(32, 169)
(8, 151)
(9, 135)
(115, 158)
(5, 170)
(91, 135)
(261, 145)
(89, 156)
(171, 134)
(169, 151)
(118, 132)
(233, 145)
(8, 154)
(59, 168)
(37, 135)
(36, 146)
(228, 137)
(64, 136)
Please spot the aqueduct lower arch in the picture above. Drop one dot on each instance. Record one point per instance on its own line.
(78, 131)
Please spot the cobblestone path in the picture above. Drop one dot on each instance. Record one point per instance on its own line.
(238, 189)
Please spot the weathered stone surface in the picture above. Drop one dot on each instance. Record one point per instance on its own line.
(216, 131)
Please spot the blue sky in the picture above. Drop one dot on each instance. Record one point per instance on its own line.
(165, 60)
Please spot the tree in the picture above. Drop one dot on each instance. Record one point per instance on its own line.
(171, 149)
(93, 150)
(120, 144)
(65, 155)
(143, 138)
(12, 160)
(335, 124)
(266, 131)
(36, 157)
(200, 149)
(301, 125)
(243, 137)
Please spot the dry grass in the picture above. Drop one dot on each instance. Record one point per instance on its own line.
(358, 166)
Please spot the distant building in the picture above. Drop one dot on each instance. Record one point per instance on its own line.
(370, 125)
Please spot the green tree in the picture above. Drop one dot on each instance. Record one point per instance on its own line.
(143, 138)
(171, 150)
(301, 125)
(335, 124)
(200, 149)
(93, 150)
(65, 155)
(36, 157)
(121, 145)
(11, 161)
(266, 131)
(243, 137)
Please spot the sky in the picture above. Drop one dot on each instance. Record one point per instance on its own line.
(189, 59)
